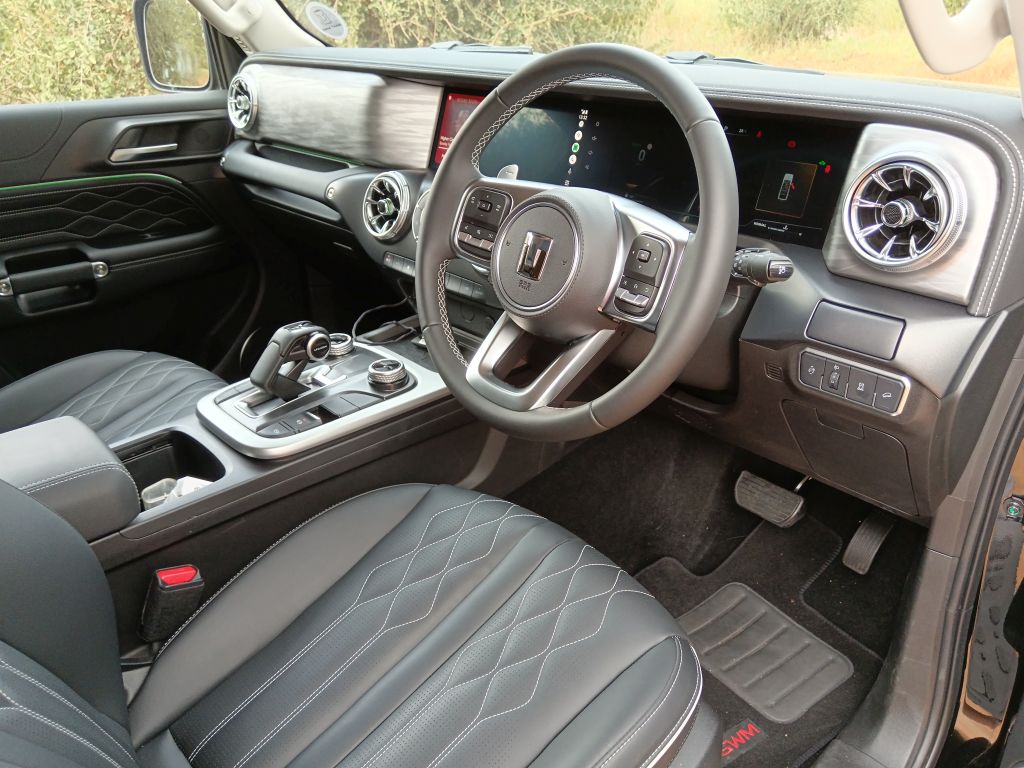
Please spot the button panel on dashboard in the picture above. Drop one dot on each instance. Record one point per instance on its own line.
(851, 382)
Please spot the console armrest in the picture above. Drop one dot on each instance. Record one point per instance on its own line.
(64, 465)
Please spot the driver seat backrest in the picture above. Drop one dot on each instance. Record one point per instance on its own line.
(62, 702)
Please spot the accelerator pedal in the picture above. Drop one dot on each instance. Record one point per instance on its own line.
(767, 500)
(868, 539)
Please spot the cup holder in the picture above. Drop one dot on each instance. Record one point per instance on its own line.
(170, 455)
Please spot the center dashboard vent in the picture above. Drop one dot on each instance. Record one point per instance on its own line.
(242, 102)
(386, 206)
(904, 214)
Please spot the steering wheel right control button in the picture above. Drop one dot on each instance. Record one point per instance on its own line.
(633, 296)
(874, 389)
(387, 374)
(646, 260)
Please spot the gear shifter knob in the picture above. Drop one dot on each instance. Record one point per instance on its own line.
(287, 354)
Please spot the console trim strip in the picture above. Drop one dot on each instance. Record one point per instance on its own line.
(429, 388)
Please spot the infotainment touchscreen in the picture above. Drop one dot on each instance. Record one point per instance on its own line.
(789, 172)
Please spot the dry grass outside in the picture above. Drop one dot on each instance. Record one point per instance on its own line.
(63, 50)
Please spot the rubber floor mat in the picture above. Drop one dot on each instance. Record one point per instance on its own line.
(762, 655)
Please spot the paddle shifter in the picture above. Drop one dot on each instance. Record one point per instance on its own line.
(290, 349)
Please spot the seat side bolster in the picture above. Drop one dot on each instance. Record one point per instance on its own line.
(30, 399)
(659, 692)
(279, 585)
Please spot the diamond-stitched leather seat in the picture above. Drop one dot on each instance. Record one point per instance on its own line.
(412, 626)
(119, 394)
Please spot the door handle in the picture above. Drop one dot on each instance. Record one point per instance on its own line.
(52, 277)
(126, 154)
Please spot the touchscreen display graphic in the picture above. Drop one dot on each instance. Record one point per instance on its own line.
(789, 173)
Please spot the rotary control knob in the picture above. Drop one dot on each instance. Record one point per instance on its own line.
(341, 344)
(387, 374)
(318, 346)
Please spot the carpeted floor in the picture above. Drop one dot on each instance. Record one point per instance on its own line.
(657, 498)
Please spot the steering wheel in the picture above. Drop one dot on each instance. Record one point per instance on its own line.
(575, 269)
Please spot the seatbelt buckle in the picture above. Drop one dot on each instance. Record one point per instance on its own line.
(173, 596)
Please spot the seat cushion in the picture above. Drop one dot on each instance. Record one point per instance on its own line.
(423, 626)
(118, 393)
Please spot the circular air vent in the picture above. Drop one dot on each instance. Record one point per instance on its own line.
(386, 206)
(904, 214)
(242, 102)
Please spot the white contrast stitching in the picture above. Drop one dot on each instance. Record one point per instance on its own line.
(687, 713)
(354, 605)
(352, 659)
(258, 557)
(61, 699)
(79, 475)
(668, 692)
(60, 728)
(511, 627)
(547, 655)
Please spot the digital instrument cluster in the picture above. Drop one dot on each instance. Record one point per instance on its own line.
(790, 172)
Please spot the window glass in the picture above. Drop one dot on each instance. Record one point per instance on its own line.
(860, 37)
(69, 50)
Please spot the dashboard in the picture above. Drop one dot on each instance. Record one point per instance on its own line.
(897, 204)
(789, 172)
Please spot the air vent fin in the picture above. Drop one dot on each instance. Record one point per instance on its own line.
(386, 206)
(242, 102)
(904, 214)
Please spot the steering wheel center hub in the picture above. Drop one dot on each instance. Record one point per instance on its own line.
(536, 258)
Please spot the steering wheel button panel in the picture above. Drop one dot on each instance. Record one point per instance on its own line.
(646, 260)
(482, 214)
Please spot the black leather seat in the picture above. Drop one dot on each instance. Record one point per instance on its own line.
(412, 626)
(119, 393)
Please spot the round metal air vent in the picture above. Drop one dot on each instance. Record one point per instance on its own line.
(242, 102)
(904, 214)
(386, 206)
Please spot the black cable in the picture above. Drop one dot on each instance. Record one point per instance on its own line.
(409, 331)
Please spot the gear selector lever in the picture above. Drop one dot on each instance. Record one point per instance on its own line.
(290, 349)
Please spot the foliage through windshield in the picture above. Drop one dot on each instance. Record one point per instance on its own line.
(862, 37)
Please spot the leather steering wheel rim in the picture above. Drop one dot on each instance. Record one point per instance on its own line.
(699, 282)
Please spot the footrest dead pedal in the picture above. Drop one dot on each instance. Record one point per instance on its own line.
(868, 539)
(767, 500)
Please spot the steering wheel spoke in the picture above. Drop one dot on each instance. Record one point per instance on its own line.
(651, 251)
(498, 367)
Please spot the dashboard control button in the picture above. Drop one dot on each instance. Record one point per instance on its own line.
(861, 388)
(303, 421)
(277, 429)
(812, 368)
(888, 393)
(361, 399)
(339, 407)
(837, 375)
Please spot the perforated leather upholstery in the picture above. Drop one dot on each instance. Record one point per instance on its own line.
(412, 626)
(119, 393)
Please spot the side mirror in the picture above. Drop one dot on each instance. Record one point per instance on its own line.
(174, 46)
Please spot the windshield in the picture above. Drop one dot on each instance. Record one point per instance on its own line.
(861, 37)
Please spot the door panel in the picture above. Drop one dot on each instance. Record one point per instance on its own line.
(118, 230)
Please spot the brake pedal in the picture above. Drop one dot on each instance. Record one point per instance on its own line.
(863, 547)
(767, 500)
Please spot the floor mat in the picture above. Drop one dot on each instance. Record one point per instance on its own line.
(762, 655)
(651, 488)
(778, 565)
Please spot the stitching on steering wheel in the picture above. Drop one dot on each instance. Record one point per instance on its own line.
(442, 304)
(509, 113)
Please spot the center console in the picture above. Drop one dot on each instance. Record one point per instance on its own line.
(310, 388)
